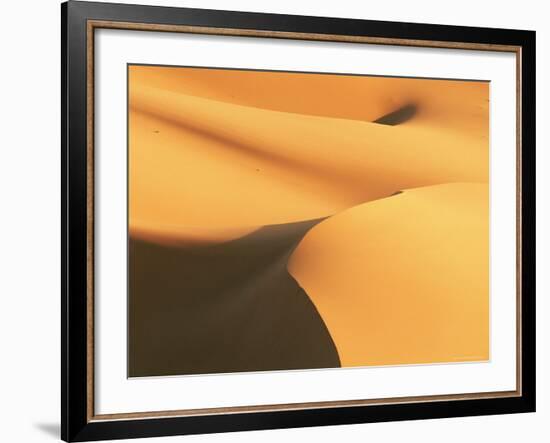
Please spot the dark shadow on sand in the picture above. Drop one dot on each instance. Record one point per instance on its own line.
(397, 117)
(231, 307)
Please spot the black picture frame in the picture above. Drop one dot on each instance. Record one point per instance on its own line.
(76, 422)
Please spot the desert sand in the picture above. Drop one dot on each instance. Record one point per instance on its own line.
(417, 280)
(219, 157)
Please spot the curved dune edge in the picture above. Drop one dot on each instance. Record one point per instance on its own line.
(267, 231)
(174, 235)
(199, 162)
(415, 288)
(453, 104)
(229, 307)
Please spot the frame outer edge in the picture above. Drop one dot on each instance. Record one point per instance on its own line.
(63, 185)
(74, 296)
(528, 228)
(75, 424)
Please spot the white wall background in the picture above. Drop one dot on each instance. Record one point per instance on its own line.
(30, 207)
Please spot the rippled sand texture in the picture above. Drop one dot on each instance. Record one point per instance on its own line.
(292, 221)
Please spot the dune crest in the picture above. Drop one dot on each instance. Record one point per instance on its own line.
(229, 307)
(218, 159)
(461, 105)
(414, 288)
(296, 220)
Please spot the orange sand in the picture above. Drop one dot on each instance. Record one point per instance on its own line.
(403, 279)
(217, 154)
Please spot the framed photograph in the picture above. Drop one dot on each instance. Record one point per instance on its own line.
(276, 221)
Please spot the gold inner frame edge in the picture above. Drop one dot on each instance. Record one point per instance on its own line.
(90, 381)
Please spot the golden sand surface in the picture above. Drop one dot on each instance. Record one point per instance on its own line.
(217, 154)
(403, 279)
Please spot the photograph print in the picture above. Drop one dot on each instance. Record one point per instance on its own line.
(298, 220)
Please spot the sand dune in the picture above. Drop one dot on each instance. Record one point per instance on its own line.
(452, 104)
(229, 307)
(230, 169)
(403, 279)
(287, 166)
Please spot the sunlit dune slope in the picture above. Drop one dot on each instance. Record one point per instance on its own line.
(458, 104)
(403, 279)
(213, 157)
(267, 231)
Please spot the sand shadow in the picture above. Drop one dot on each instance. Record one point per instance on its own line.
(397, 117)
(230, 307)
